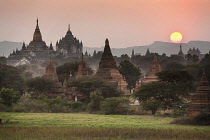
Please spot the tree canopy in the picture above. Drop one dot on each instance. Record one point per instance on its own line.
(130, 72)
(174, 87)
(10, 77)
(87, 85)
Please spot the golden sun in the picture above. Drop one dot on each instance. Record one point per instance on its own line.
(176, 37)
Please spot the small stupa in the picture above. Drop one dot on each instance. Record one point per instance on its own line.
(82, 69)
(155, 68)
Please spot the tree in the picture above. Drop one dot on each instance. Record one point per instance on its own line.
(10, 77)
(174, 87)
(130, 72)
(8, 96)
(96, 98)
(88, 84)
(40, 85)
(64, 70)
(3, 60)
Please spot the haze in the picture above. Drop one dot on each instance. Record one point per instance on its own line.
(125, 22)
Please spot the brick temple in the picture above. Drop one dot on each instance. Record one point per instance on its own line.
(201, 99)
(108, 69)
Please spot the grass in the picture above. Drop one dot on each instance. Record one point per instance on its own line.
(89, 126)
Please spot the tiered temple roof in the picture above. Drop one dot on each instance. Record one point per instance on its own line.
(155, 68)
(69, 46)
(201, 99)
(108, 69)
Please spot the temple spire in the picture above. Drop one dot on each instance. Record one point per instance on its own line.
(37, 34)
(37, 23)
(69, 28)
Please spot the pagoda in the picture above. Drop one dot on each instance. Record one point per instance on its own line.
(69, 46)
(155, 68)
(35, 53)
(57, 89)
(181, 52)
(82, 69)
(201, 99)
(108, 69)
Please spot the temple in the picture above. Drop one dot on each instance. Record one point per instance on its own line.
(35, 53)
(155, 68)
(57, 89)
(82, 69)
(108, 69)
(69, 46)
(201, 99)
(181, 52)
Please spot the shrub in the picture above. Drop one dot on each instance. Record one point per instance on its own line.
(201, 119)
(77, 106)
(4, 108)
(8, 96)
(96, 98)
(152, 105)
(35, 106)
(115, 105)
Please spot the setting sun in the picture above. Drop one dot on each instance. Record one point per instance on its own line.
(176, 37)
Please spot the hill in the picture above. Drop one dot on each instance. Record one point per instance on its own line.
(6, 47)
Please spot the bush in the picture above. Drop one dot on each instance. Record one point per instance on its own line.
(201, 119)
(77, 106)
(8, 96)
(26, 104)
(152, 105)
(115, 105)
(96, 98)
(4, 108)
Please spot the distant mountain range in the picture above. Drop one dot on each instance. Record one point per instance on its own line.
(7, 47)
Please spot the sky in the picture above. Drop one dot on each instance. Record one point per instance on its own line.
(125, 23)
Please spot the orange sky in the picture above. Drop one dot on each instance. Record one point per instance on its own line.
(125, 22)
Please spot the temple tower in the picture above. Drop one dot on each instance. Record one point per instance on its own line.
(108, 69)
(155, 68)
(107, 63)
(148, 52)
(37, 34)
(50, 72)
(82, 69)
(180, 52)
(132, 55)
(201, 99)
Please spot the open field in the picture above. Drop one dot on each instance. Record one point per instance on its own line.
(89, 126)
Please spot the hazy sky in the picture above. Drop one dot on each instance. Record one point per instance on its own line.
(125, 22)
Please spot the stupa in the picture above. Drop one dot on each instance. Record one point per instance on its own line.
(201, 99)
(82, 69)
(108, 69)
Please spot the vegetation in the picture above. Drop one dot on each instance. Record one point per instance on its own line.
(174, 87)
(201, 119)
(10, 77)
(39, 85)
(8, 96)
(115, 105)
(92, 126)
(96, 98)
(89, 84)
(63, 71)
(130, 72)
